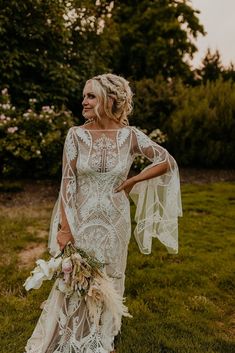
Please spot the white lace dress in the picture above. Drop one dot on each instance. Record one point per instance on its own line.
(95, 162)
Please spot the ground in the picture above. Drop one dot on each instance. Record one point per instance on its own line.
(180, 303)
(44, 192)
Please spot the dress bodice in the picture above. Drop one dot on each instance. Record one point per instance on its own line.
(104, 152)
(95, 163)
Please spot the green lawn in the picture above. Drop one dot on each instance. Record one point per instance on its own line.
(180, 303)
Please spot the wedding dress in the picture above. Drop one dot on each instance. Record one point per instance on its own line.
(95, 162)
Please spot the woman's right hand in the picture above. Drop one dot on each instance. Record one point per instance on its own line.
(63, 237)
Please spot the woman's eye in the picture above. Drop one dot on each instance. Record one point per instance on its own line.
(91, 96)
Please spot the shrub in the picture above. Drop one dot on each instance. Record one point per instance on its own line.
(202, 127)
(153, 102)
(31, 142)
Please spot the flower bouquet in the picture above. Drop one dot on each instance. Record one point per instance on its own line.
(77, 272)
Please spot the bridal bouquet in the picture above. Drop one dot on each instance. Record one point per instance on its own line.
(78, 272)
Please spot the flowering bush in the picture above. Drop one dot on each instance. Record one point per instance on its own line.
(31, 142)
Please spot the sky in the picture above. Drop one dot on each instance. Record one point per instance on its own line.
(218, 19)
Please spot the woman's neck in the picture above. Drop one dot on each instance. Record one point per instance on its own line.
(104, 124)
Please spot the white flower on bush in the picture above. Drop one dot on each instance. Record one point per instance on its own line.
(44, 271)
(4, 91)
(38, 152)
(12, 130)
(6, 106)
(47, 109)
(158, 136)
(2, 117)
(32, 100)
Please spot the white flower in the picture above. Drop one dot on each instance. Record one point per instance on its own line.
(6, 106)
(67, 266)
(4, 91)
(11, 130)
(49, 267)
(32, 100)
(44, 271)
(35, 280)
(38, 152)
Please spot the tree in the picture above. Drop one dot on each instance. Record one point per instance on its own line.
(212, 67)
(229, 73)
(154, 37)
(49, 48)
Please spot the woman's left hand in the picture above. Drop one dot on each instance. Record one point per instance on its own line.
(127, 185)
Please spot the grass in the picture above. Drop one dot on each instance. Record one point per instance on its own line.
(180, 303)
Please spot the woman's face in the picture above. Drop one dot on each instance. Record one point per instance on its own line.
(89, 101)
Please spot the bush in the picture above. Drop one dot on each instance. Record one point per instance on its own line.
(153, 102)
(31, 142)
(202, 127)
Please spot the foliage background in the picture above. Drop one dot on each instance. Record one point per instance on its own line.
(50, 48)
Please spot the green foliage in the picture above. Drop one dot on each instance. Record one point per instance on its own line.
(202, 127)
(153, 102)
(180, 303)
(154, 37)
(49, 48)
(31, 143)
(212, 67)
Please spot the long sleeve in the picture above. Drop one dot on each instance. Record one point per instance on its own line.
(64, 212)
(157, 200)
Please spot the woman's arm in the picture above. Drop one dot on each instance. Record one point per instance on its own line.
(68, 186)
(155, 192)
(152, 172)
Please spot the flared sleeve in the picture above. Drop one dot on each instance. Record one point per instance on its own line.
(157, 200)
(64, 212)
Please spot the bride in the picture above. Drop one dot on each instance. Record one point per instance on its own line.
(93, 212)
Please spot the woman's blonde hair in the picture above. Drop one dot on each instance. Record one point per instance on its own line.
(110, 85)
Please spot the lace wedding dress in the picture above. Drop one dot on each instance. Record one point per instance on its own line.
(95, 162)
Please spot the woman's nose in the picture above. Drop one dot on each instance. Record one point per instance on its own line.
(84, 102)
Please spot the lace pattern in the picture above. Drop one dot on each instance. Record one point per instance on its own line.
(94, 164)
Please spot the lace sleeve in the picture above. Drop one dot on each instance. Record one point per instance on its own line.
(157, 200)
(64, 212)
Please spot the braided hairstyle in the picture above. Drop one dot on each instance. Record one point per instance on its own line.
(116, 87)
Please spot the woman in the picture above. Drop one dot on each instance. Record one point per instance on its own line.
(93, 211)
